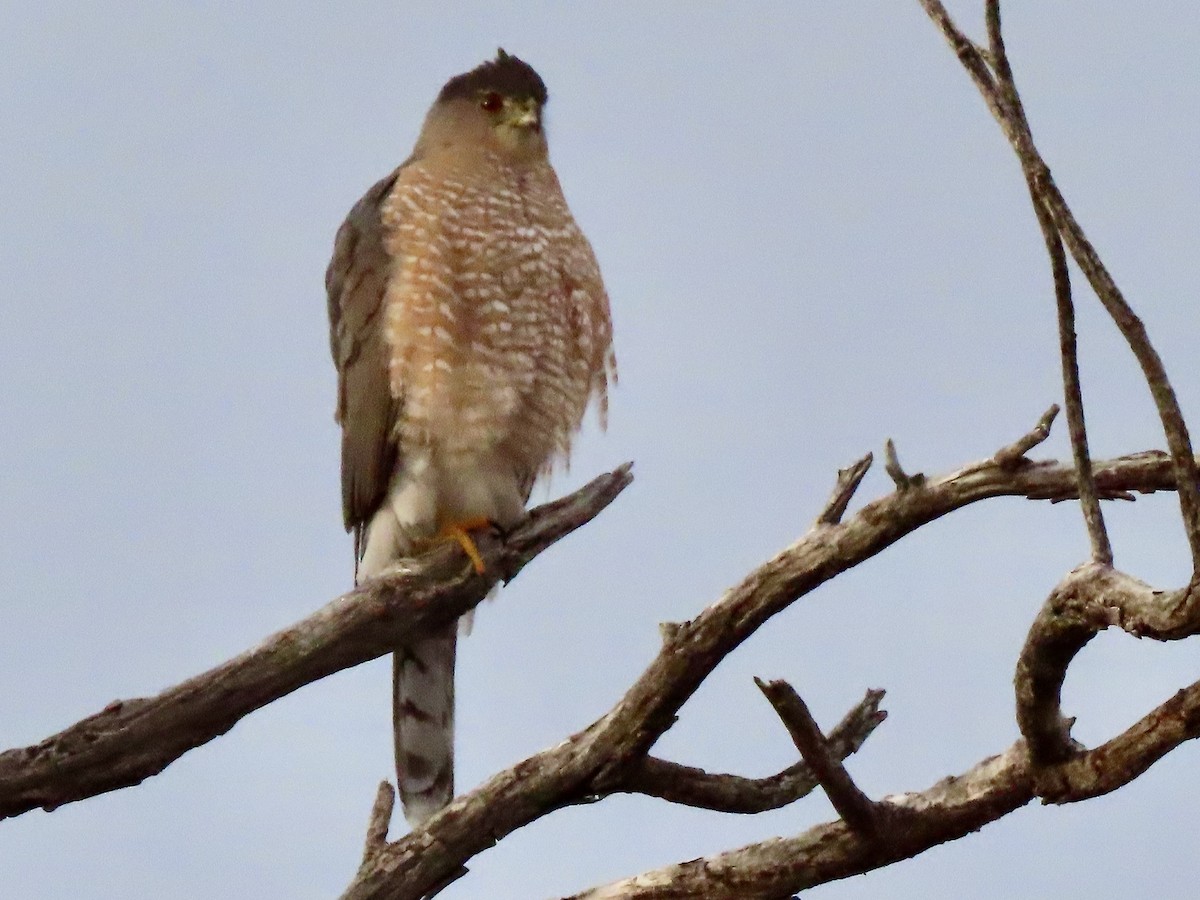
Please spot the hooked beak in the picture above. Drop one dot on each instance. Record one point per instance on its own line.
(525, 114)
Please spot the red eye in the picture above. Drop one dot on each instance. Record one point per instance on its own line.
(492, 102)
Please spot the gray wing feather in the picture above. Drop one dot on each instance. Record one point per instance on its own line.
(356, 282)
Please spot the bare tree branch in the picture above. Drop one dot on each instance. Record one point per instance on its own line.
(848, 480)
(1117, 762)
(780, 867)
(736, 794)
(381, 818)
(1084, 254)
(891, 465)
(855, 807)
(600, 759)
(1093, 597)
(1089, 500)
(950, 809)
(1014, 454)
(1014, 110)
(1090, 599)
(131, 740)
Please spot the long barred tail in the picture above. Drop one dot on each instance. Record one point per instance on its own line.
(423, 723)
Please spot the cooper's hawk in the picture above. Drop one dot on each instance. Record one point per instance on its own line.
(470, 328)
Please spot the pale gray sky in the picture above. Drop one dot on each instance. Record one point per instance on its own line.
(814, 237)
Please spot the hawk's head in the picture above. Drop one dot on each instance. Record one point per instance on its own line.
(502, 99)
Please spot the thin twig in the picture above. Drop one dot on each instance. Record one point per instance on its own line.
(1014, 110)
(848, 480)
(1014, 454)
(1089, 501)
(1174, 426)
(851, 803)
(381, 817)
(970, 54)
(891, 465)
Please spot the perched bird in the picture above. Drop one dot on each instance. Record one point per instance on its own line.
(470, 329)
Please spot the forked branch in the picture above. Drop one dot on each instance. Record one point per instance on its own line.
(610, 755)
(722, 792)
(852, 804)
(992, 75)
(950, 809)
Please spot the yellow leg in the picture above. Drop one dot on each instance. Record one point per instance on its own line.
(460, 531)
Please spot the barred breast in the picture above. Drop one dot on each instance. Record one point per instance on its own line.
(496, 316)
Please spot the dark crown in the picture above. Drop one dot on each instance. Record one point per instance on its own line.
(505, 75)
